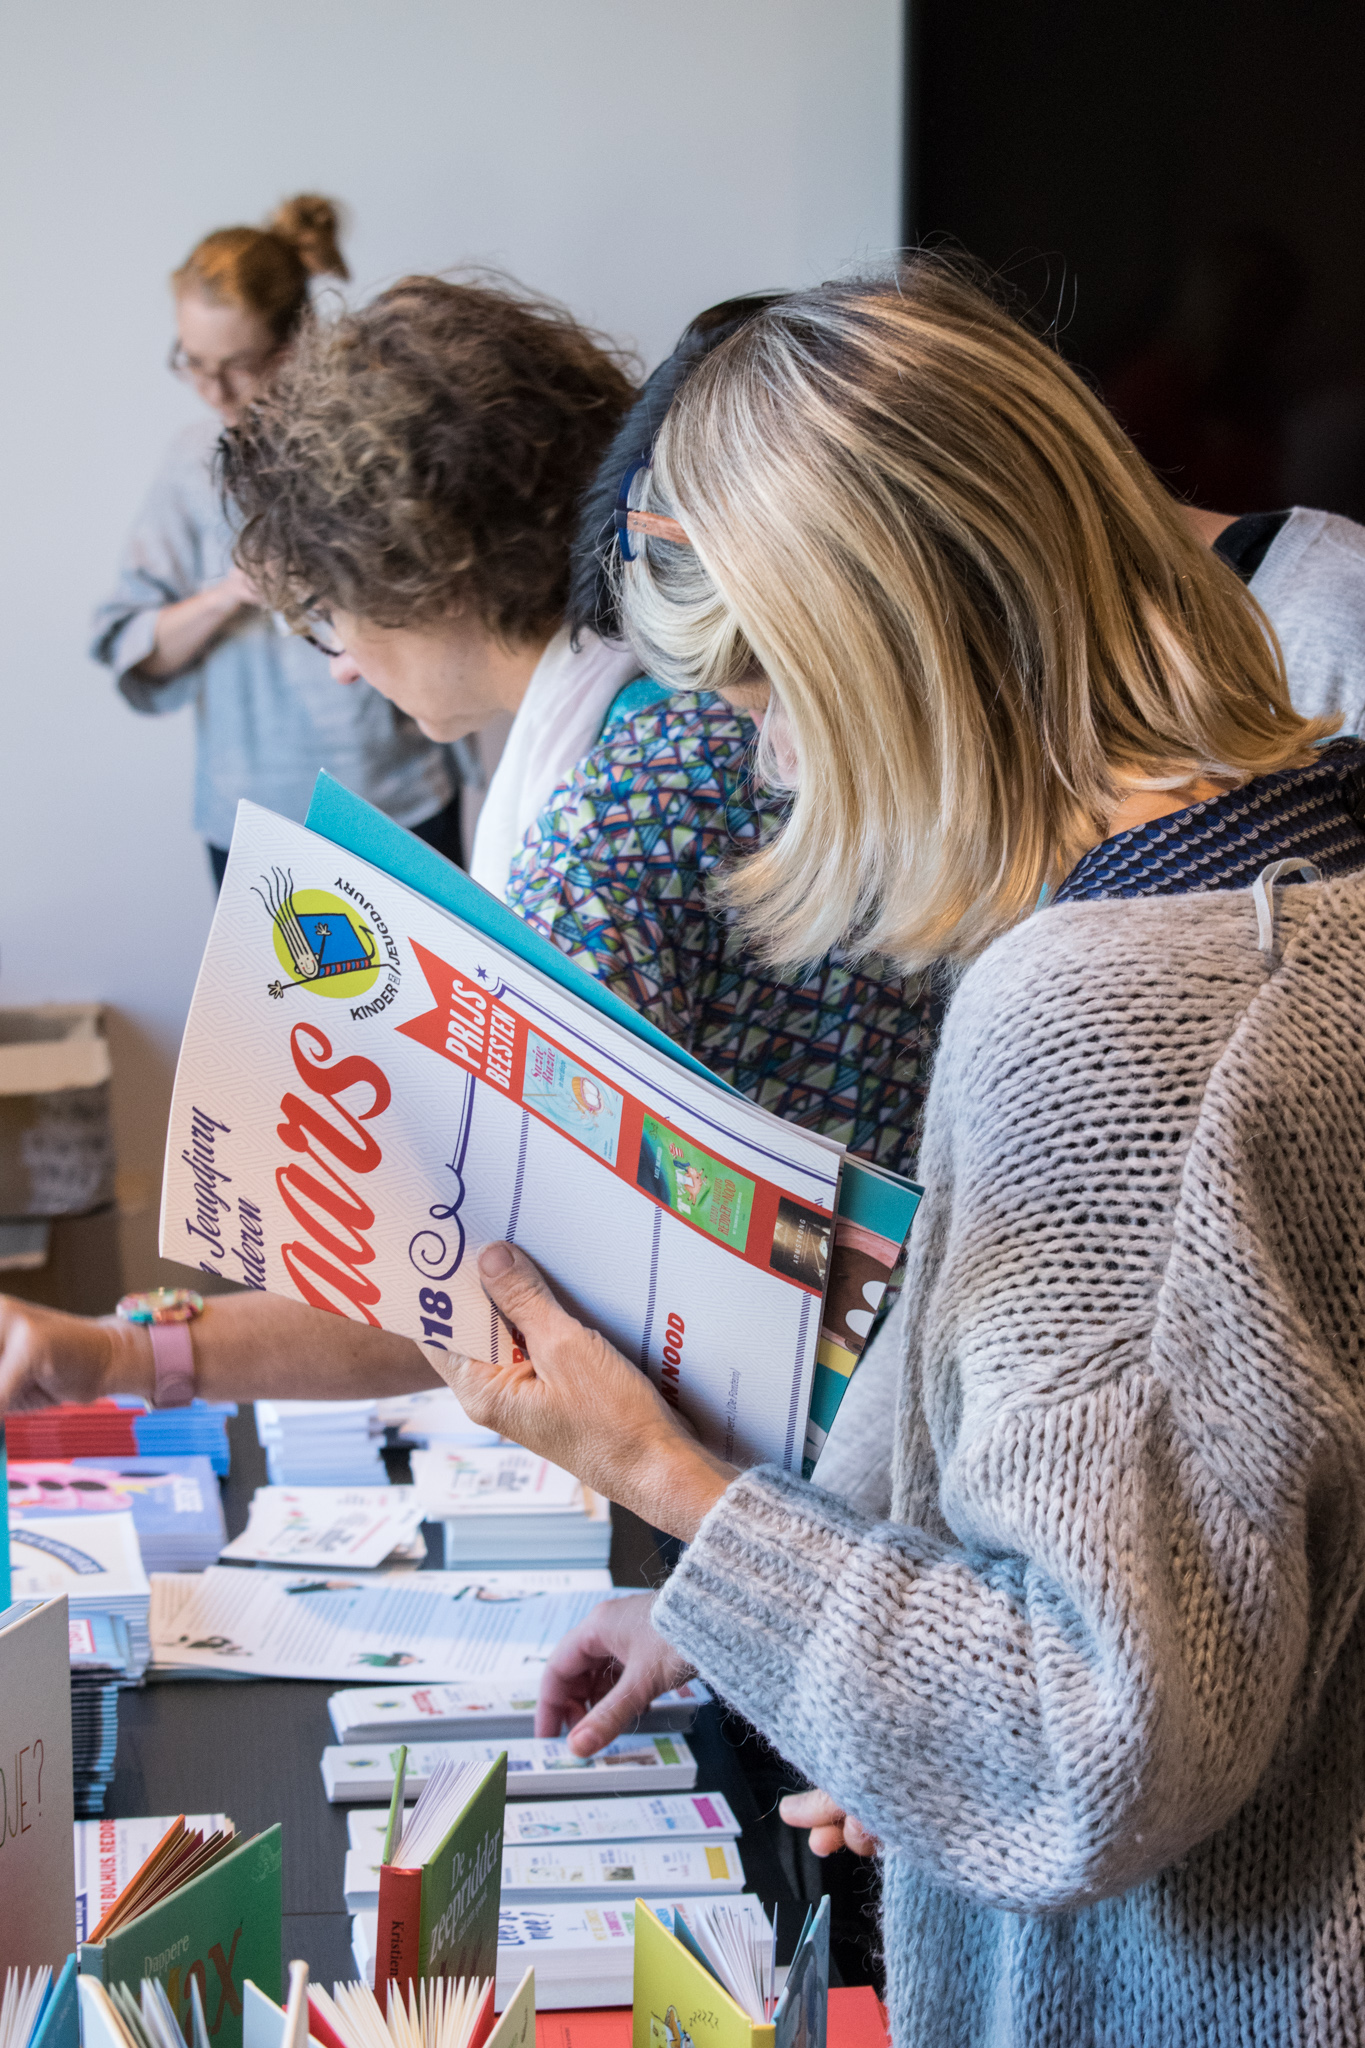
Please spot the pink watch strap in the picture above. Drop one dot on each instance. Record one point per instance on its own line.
(173, 1356)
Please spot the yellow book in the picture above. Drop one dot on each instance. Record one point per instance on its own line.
(679, 2003)
(705, 1978)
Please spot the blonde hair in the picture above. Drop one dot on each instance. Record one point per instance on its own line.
(266, 270)
(981, 613)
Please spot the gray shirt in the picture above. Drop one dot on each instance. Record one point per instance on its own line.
(267, 713)
(1311, 586)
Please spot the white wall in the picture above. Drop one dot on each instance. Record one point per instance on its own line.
(637, 160)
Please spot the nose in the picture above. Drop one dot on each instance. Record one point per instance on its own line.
(345, 669)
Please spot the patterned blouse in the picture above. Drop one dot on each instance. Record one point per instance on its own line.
(1313, 813)
(616, 872)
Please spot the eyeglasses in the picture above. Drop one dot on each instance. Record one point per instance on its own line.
(225, 374)
(628, 520)
(317, 629)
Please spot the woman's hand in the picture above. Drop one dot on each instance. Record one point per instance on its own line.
(576, 1401)
(605, 1673)
(830, 1827)
(46, 1357)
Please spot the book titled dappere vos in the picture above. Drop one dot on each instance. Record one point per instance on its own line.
(202, 1913)
(371, 1087)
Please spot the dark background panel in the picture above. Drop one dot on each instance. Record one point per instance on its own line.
(1180, 191)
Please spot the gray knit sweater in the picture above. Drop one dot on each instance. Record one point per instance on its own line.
(1097, 1681)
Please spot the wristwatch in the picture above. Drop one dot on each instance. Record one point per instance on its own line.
(167, 1313)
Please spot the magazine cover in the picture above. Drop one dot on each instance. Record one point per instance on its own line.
(369, 1090)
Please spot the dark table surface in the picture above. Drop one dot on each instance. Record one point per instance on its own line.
(251, 1749)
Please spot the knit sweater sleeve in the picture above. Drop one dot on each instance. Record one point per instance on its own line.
(1072, 1653)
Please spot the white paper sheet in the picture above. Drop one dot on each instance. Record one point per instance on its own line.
(425, 1625)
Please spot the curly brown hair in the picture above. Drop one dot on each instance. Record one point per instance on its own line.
(426, 455)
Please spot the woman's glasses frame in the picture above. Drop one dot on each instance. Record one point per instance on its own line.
(191, 371)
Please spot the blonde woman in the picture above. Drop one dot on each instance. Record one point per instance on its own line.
(184, 626)
(1094, 1676)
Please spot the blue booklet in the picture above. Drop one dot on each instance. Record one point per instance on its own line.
(176, 1503)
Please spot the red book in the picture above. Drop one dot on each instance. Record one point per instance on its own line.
(398, 1948)
(857, 2019)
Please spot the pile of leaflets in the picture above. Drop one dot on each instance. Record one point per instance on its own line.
(474, 1708)
(101, 1658)
(321, 1443)
(124, 1427)
(355, 1527)
(504, 1508)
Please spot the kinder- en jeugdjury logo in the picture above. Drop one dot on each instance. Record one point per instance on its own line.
(321, 942)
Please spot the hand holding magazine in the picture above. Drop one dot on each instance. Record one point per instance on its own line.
(372, 1087)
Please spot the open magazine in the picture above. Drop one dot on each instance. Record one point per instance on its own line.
(372, 1086)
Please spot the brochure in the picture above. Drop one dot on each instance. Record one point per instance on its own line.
(535, 1766)
(448, 1713)
(338, 1625)
(370, 1088)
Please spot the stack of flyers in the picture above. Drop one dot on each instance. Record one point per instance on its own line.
(175, 1503)
(503, 1506)
(419, 1421)
(95, 1561)
(544, 1768)
(321, 1443)
(584, 1954)
(478, 1707)
(355, 1527)
(101, 1658)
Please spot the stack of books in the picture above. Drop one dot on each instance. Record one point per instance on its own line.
(504, 1508)
(321, 1443)
(124, 1427)
(101, 1659)
(175, 1503)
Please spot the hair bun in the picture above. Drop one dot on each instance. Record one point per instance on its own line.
(312, 226)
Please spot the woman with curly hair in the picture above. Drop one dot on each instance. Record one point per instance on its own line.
(409, 491)
(185, 626)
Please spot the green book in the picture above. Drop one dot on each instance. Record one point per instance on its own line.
(221, 1928)
(440, 1884)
